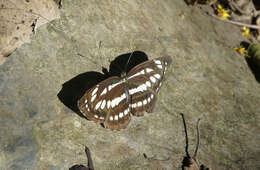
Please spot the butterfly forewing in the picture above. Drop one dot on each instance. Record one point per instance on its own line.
(107, 103)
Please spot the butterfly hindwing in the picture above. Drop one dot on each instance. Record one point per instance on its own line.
(143, 101)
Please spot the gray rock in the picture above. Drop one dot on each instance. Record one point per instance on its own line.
(207, 80)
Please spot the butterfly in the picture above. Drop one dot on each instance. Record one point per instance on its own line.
(113, 101)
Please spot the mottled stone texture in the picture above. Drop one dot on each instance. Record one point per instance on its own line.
(207, 80)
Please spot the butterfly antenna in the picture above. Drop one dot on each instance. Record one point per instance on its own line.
(186, 136)
(198, 139)
(128, 61)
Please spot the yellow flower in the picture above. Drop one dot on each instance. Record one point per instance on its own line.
(240, 50)
(245, 32)
(222, 13)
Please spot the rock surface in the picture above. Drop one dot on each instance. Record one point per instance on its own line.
(207, 80)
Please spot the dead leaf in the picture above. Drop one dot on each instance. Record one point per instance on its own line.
(19, 19)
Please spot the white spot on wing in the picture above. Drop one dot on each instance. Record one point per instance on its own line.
(149, 99)
(132, 91)
(117, 100)
(96, 116)
(145, 102)
(113, 102)
(152, 79)
(148, 70)
(98, 104)
(103, 104)
(93, 97)
(111, 118)
(123, 96)
(159, 66)
(157, 76)
(148, 83)
(116, 117)
(139, 104)
(108, 104)
(125, 111)
(94, 91)
(104, 91)
(157, 62)
(137, 74)
(121, 115)
(114, 85)
(152, 96)
(109, 87)
(86, 101)
(144, 87)
(140, 88)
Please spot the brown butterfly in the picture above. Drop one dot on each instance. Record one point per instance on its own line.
(112, 101)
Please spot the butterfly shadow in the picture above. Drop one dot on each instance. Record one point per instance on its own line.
(75, 88)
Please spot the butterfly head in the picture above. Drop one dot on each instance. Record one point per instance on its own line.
(123, 76)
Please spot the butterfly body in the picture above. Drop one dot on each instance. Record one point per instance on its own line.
(112, 101)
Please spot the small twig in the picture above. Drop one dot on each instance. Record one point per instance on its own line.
(90, 162)
(198, 139)
(186, 135)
